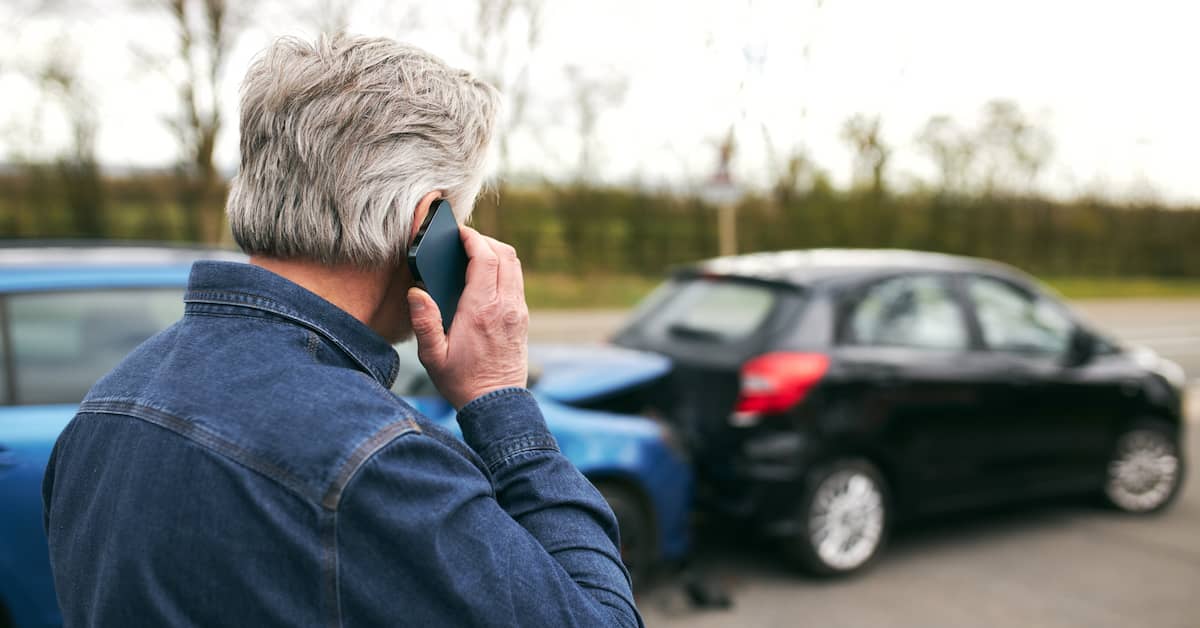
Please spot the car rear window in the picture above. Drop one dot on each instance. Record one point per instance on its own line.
(707, 309)
(62, 342)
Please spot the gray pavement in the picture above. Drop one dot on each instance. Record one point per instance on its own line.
(1066, 564)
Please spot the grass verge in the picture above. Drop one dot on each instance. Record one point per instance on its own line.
(591, 291)
(1125, 287)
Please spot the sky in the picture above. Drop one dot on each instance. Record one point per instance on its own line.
(1113, 82)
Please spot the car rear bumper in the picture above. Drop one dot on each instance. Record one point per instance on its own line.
(762, 479)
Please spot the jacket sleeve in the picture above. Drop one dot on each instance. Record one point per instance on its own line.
(425, 538)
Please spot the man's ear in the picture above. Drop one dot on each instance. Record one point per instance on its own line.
(421, 211)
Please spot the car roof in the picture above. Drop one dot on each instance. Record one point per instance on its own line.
(66, 265)
(805, 267)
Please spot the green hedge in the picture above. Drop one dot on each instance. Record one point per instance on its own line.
(579, 230)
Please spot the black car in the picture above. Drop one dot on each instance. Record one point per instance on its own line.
(826, 394)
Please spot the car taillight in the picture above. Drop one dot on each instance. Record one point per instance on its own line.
(776, 382)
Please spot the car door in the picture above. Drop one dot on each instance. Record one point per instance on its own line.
(905, 362)
(1058, 416)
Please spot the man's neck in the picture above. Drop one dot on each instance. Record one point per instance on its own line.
(358, 291)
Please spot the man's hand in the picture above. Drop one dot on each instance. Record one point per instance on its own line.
(486, 347)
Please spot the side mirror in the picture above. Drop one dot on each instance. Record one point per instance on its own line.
(1081, 349)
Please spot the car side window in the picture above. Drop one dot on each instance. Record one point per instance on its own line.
(1013, 320)
(916, 311)
(62, 342)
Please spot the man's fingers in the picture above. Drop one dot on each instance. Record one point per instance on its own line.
(482, 265)
(427, 327)
(511, 280)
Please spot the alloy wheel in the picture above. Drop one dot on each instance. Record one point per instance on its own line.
(846, 521)
(1144, 472)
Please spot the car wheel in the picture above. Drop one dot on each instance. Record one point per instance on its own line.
(1145, 470)
(844, 518)
(637, 531)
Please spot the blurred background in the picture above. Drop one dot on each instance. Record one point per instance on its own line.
(1059, 137)
(1054, 136)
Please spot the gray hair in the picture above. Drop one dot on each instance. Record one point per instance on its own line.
(340, 141)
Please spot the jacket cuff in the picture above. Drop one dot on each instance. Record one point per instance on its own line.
(503, 424)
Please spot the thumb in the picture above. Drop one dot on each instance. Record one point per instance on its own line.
(427, 327)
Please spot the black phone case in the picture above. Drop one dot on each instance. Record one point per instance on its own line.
(438, 261)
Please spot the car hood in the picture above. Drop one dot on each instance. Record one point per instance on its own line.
(30, 431)
(575, 374)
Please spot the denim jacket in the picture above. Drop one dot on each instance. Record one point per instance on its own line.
(249, 466)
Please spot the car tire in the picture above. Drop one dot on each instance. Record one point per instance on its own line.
(1145, 469)
(636, 529)
(847, 500)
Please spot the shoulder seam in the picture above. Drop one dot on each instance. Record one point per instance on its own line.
(363, 453)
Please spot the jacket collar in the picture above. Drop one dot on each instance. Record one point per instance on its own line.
(250, 286)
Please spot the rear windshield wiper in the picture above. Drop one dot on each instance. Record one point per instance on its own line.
(680, 330)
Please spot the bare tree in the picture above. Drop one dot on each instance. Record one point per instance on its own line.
(507, 32)
(205, 33)
(67, 176)
(797, 176)
(871, 154)
(77, 166)
(1017, 149)
(951, 148)
(591, 96)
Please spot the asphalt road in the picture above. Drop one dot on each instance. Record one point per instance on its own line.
(1065, 564)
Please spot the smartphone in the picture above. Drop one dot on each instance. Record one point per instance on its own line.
(438, 261)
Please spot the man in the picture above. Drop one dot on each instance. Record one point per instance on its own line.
(249, 466)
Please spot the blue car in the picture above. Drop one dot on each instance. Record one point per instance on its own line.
(68, 314)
